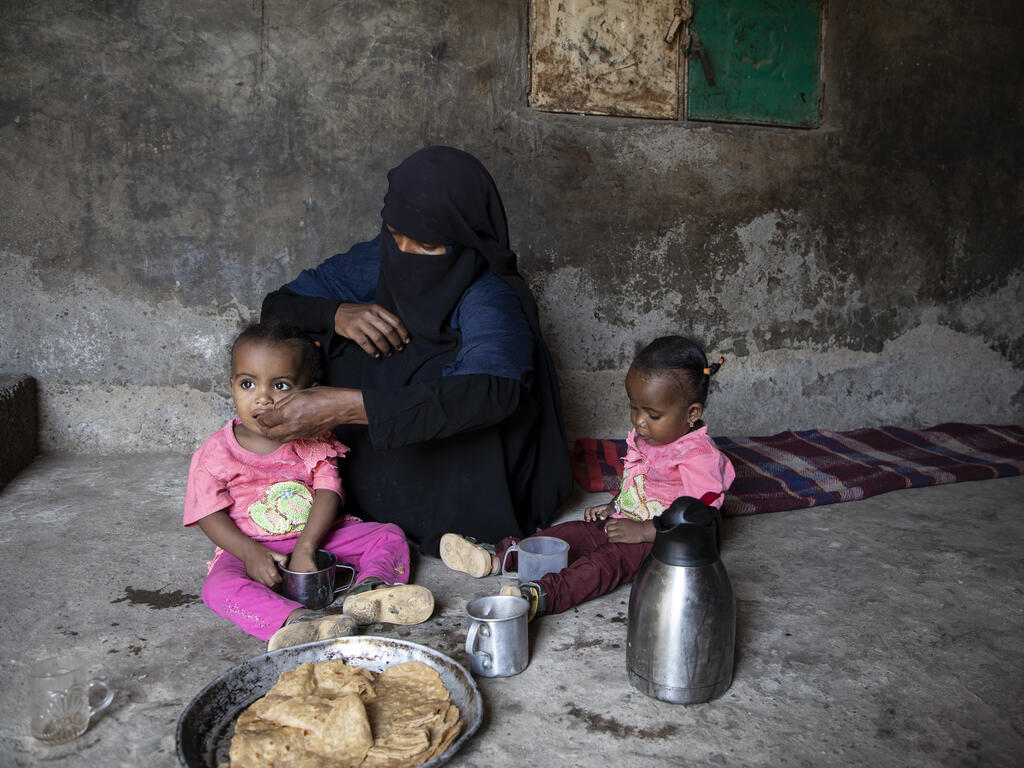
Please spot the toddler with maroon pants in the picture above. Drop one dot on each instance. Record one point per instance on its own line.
(669, 455)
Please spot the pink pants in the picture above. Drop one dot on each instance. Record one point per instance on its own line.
(374, 549)
(596, 565)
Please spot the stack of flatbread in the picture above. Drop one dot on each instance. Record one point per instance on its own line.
(332, 715)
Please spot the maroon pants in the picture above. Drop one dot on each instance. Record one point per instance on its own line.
(596, 565)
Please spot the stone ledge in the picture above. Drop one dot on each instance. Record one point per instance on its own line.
(19, 424)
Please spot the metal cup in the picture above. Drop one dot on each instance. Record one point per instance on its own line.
(315, 589)
(497, 642)
(60, 700)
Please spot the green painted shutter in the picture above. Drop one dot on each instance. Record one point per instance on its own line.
(766, 62)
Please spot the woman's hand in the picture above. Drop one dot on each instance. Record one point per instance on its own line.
(377, 331)
(600, 512)
(260, 565)
(622, 530)
(312, 412)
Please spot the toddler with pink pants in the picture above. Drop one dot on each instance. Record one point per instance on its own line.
(265, 503)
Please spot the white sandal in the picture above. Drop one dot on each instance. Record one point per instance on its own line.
(310, 627)
(399, 604)
(462, 554)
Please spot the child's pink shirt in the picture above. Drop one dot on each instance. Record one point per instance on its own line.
(253, 487)
(656, 475)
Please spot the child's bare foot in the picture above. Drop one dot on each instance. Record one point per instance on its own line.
(461, 554)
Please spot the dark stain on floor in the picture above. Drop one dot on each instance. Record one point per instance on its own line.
(596, 723)
(579, 645)
(157, 599)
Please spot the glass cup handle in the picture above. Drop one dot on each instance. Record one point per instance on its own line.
(511, 574)
(108, 696)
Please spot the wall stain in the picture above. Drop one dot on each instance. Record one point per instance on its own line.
(596, 723)
(157, 599)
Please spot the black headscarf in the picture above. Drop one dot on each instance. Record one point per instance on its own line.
(444, 196)
(439, 196)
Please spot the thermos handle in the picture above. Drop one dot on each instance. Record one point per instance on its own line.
(663, 526)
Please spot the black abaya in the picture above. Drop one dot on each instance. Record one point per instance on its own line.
(482, 455)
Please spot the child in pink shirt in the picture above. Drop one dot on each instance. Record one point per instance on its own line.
(265, 503)
(669, 454)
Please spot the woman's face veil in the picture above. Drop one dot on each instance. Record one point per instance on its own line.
(444, 195)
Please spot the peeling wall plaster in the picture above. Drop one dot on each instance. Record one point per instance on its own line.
(908, 383)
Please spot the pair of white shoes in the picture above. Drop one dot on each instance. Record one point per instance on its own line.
(377, 603)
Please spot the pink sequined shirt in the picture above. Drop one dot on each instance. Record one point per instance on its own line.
(656, 475)
(267, 496)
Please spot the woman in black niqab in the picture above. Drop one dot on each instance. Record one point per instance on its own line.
(465, 440)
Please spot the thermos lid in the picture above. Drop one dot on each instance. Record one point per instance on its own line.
(687, 533)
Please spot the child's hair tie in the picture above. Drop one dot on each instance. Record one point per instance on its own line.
(712, 369)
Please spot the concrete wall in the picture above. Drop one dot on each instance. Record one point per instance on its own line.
(166, 164)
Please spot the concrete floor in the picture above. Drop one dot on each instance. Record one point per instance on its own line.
(882, 632)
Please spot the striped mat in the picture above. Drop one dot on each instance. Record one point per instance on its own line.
(793, 470)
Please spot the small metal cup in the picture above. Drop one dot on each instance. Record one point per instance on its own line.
(497, 641)
(315, 589)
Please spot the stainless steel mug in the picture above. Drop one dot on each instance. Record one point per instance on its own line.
(315, 589)
(497, 642)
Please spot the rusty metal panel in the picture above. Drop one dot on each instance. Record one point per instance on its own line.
(605, 57)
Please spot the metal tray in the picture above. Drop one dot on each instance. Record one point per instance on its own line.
(208, 722)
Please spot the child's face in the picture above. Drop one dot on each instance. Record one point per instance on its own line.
(660, 411)
(261, 374)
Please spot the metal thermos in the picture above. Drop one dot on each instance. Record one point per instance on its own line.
(682, 614)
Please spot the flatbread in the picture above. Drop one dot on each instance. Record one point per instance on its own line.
(334, 715)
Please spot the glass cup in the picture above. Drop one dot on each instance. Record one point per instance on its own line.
(60, 700)
(538, 555)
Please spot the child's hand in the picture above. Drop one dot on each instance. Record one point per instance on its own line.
(302, 562)
(260, 565)
(622, 530)
(600, 512)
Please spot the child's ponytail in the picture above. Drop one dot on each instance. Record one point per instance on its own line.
(712, 369)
